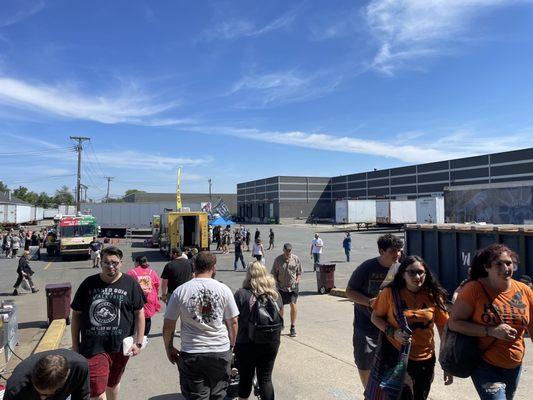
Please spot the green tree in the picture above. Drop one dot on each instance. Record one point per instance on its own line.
(44, 200)
(63, 196)
(3, 187)
(21, 192)
(132, 191)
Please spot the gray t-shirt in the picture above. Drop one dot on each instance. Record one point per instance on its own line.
(366, 279)
(203, 304)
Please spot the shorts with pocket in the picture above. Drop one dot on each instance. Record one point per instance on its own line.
(364, 348)
(105, 370)
(289, 297)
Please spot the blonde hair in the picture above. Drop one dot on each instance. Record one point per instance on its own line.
(259, 281)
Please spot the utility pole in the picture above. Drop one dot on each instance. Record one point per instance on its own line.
(109, 179)
(79, 148)
(210, 196)
(84, 191)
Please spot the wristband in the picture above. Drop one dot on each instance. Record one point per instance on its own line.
(389, 331)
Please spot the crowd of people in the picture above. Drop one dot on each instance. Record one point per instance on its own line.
(397, 304)
(15, 241)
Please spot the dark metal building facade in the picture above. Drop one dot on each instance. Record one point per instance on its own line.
(285, 197)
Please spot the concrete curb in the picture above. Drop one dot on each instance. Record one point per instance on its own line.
(53, 336)
(338, 292)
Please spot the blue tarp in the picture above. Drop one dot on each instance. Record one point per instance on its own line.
(221, 221)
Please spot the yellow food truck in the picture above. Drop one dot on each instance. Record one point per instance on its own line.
(184, 229)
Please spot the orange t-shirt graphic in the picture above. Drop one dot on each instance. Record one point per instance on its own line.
(422, 314)
(514, 306)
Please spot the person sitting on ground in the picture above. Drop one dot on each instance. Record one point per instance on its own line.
(498, 310)
(149, 282)
(57, 374)
(424, 305)
(256, 358)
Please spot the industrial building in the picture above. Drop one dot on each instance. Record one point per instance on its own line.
(283, 198)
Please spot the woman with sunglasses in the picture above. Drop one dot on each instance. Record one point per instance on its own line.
(498, 310)
(423, 304)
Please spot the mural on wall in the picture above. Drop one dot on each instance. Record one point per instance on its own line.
(513, 205)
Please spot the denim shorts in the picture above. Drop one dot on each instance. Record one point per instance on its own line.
(495, 383)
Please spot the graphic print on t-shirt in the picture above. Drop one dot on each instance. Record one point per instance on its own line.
(205, 306)
(512, 313)
(145, 281)
(104, 311)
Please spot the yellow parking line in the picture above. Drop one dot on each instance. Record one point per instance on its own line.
(50, 263)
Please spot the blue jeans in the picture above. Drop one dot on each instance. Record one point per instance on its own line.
(495, 383)
(347, 252)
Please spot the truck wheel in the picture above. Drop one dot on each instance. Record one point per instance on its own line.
(322, 290)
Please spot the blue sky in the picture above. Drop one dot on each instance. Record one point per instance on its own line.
(240, 90)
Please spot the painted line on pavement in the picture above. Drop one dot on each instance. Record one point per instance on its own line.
(50, 263)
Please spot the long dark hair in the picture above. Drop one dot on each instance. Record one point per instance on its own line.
(485, 257)
(430, 285)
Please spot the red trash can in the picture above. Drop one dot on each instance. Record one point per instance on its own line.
(58, 301)
(325, 277)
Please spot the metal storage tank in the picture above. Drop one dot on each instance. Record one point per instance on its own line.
(449, 248)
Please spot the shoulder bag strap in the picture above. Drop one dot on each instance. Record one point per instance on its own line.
(493, 309)
(400, 316)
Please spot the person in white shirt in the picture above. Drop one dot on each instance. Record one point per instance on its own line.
(209, 327)
(316, 250)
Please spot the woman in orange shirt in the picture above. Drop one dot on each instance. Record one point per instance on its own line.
(498, 310)
(423, 304)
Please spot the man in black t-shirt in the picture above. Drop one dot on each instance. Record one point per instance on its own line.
(175, 273)
(363, 287)
(55, 374)
(238, 252)
(107, 308)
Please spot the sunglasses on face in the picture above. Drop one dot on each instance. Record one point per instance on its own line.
(418, 272)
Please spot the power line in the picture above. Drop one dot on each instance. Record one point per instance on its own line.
(37, 152)
(96, 159)
(79, 149)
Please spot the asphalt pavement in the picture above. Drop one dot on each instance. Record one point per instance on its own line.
(317, 364)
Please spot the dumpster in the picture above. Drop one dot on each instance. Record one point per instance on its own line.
(449, 248)
(58, 301)
(325, 277)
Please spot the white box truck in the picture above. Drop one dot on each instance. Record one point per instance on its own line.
(355, 211)
(115, 219)
(430, 210)
(395, 212)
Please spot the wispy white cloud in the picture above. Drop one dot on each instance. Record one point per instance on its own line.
(259, 90)
(63, 100)
(239, 28)
(139, 160)
(13, 11)
(447, 146)
(410, 30)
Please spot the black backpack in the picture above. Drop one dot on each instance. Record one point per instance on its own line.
(265, 323)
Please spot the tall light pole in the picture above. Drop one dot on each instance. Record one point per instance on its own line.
(210, 196)
(109, 179)
(79, 148)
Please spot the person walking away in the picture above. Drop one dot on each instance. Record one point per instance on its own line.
(347, 245)
(24, 271)
(316, 250)
(27, 238)
(362, 289)
(107, 308)
(56, 374)
(149, 282)
(208, 318)
(257, 355)
(15, 245)
(248, 238)
(271, 239)
(96, 248)
(258, 250)
(424, 305)
(498, 310)
(257, 234)
(238, 252)
(35, 245)
(175, 273)
(7, 245)
(216, 234)
(287, 271)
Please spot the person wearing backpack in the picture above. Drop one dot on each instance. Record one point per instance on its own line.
(149, 282)
(497, 310)
(260, 326)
